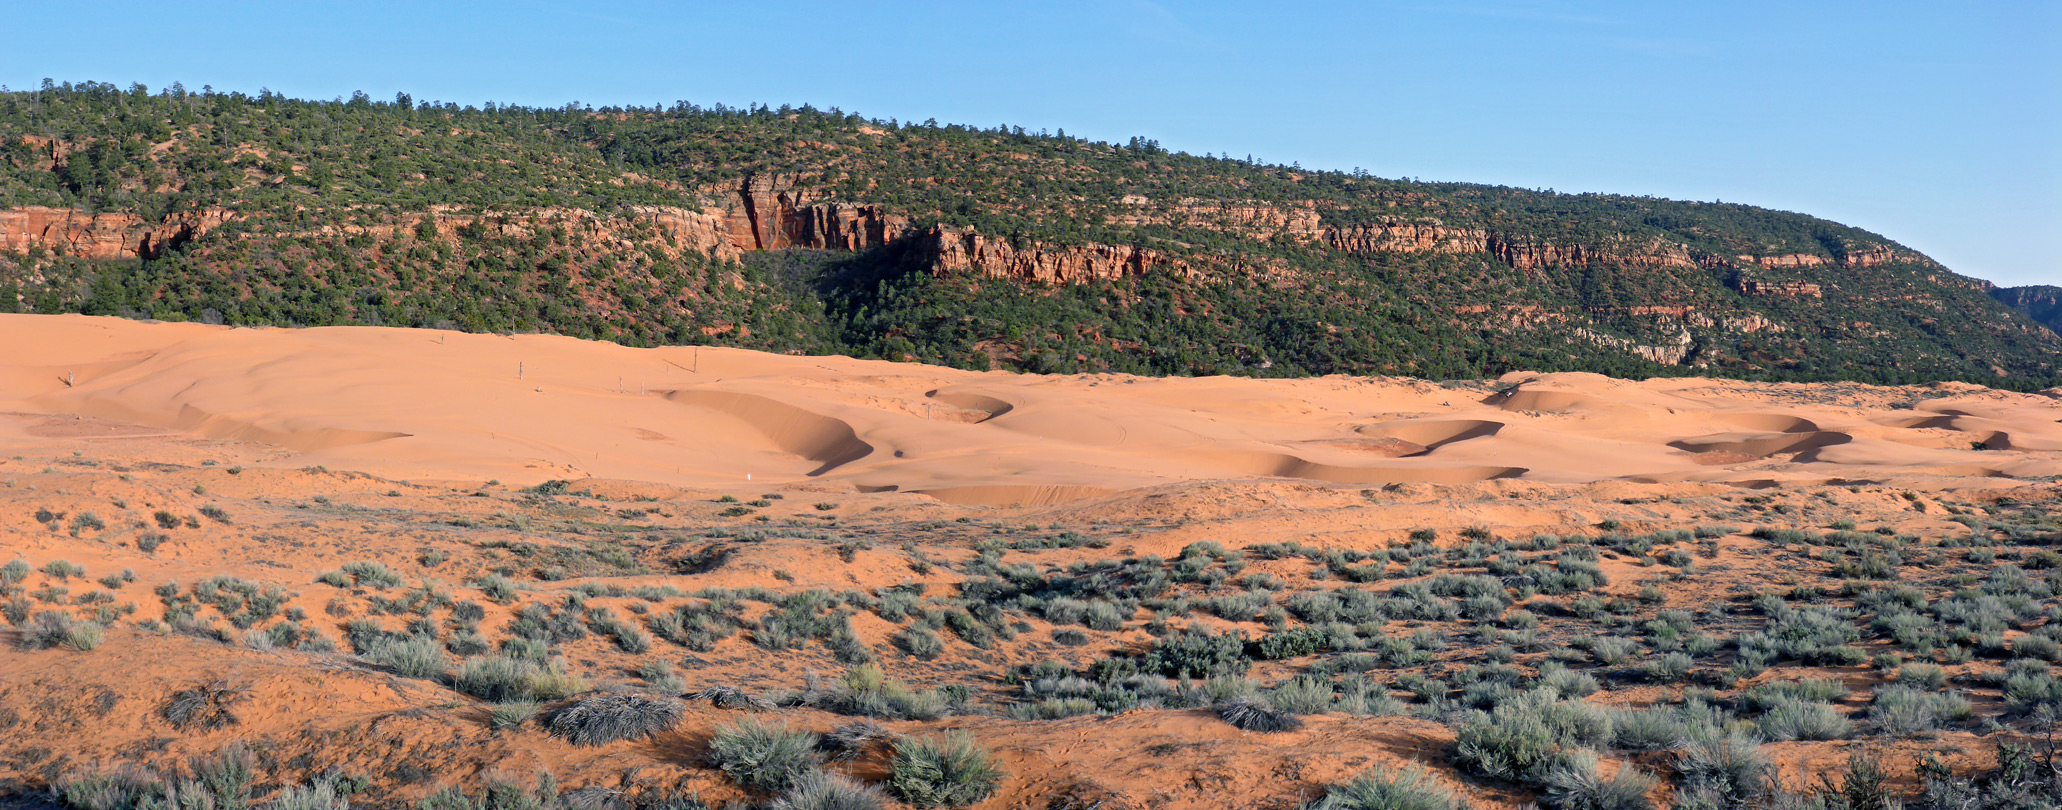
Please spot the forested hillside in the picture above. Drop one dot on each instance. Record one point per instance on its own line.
(807, 230)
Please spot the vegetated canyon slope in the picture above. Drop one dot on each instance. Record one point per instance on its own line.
(409, 564)
(2042, 303)
(821, 232)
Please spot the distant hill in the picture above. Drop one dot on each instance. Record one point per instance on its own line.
(797, 229)
(2040, 302)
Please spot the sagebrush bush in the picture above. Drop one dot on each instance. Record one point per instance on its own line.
(322, 794)
(1409, 788)
(505, 678)
(762, 757)
(512, 714)
(818, 790)
(1804, 720)
(1903, 710)
(920, 643)
(53, 629)
(1579, 783)
(411, 657)
(951, 770)
(1566, 682)
(1922, 676)
(1733, 769)
(1304, 695)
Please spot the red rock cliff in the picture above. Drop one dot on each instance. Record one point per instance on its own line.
(69, 232)
(945, 249)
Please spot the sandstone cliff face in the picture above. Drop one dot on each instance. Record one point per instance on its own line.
(1253, 219)
(946, 249)
(777, 211)
(68, 232)
(1396, 235)
(1750, 286)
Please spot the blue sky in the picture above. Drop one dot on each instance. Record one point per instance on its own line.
(1936, 124)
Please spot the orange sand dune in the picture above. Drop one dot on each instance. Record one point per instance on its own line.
(446, 405)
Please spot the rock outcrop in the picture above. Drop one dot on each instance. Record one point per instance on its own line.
(1795, 289)
(70, 232)
(1398, 235)
(945, 249)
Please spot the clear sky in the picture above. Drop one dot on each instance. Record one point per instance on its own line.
(1936, 124)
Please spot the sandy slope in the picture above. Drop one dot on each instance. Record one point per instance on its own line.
(424, 404)
(137, 423)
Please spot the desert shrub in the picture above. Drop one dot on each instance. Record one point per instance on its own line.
(203, 708)
(1566, 682)
(1294, 642)
(1579, 783)
(1922, 676)
(920, 643)
(2030, 688)
(366, 572)
(608, 718)
(496, 587)
(1647, 729)
(1410, 788)
(512, 714)
(1523, 738)
(411, 657)
(868, 692)
(1610, 650)
(53, 629)
(946, 771)
(1359, 696)
(762, 757)
(2021, 780)
(1250, 713)
(1305, 695)
(730, 697)
(123, 789)
(500, 794)
(1668, 668)
(322, 794)
(1733, 770)
(1903, 710)
(505, 678)
(818, 790)
(1105, 616)
(1776, 693)
(1053, 709)
(1196, 654)
(1804, 720)
(226, 776)
(626, 635)
(2037, 647)
(1815, 635)
(850, 740)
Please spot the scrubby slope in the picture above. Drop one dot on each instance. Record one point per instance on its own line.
(823, 232)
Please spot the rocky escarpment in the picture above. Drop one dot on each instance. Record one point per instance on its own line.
(69, 232)
(951, 250)
(771, 211)
(2040, 302)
